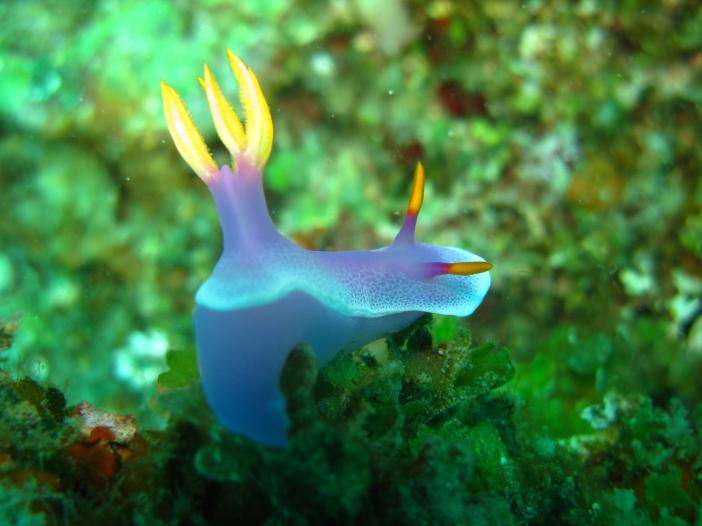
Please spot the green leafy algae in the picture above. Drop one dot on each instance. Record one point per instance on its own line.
(182, 369)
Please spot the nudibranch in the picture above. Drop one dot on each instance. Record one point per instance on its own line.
(266, 294)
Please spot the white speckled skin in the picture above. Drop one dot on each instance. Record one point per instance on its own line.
(266, 294)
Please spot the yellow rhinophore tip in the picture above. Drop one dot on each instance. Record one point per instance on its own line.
(185, 135)
(468, 268)
(226, 122)
(417, 195)
(259, 124)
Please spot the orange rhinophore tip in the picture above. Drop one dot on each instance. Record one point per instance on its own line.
(406, 234)
(417, 196)
(468, 268)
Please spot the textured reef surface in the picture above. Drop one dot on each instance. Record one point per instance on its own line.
(562, 143)
(421, 430)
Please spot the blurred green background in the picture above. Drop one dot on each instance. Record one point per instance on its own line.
(560, 139)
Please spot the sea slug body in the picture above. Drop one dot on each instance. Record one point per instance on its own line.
(266, 294)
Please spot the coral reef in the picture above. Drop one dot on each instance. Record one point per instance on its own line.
(562, 142)
(403, 433)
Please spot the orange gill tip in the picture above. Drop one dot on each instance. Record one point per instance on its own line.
(225, 120)
(186, 136)
(259, 124)
(467, 268)
(417, 195)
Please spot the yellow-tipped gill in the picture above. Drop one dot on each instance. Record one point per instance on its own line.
(253, 141)
(185, 135)
(225, 120)
(259, 124)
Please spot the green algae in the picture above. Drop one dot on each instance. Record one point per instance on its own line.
(549, 135)
(430, 436)
(182, 369)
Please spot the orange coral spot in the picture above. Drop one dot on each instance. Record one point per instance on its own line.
(99, 458)
(122, 428)
(101, 433)
(102, 459)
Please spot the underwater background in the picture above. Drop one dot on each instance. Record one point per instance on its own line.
(561, 142)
